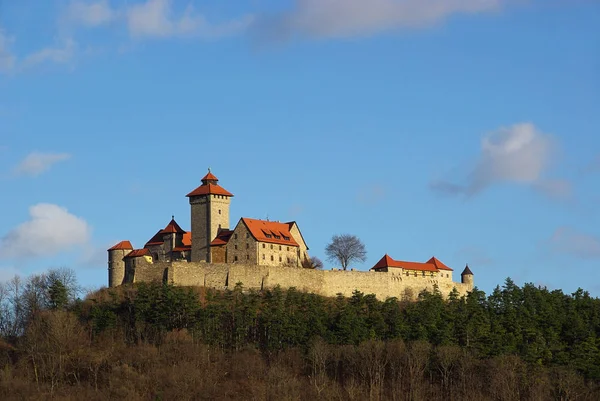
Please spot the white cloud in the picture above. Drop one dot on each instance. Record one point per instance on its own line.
(344, 18)
(59, 55)
(36, 163)
(519, 154)
(90, 14)
(155, 18)
(50, 230)
(570, 241)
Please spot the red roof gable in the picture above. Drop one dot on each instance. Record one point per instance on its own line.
(172, 227)
(209, 177)
(209, 186)
(123, 245)
(187, 239)
(222, 238)
(157, 239)
(439, 264)
(268, 231)
(138, 252)
(212, 189)
(432, 265)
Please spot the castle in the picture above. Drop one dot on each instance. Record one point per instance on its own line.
(260, 254)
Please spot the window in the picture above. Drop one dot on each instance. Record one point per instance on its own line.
(271, 246)
(288, 248)
(423, 274)
(234, 236)
(247, 235)
(280, 247)
(263, 256)
(277, 237)
(264, 245)
(247, 257)
(235, 258)
(288, 259)
(286, 238)
(272, 258)
(280, 258)
(247, 246)
(219, 211)
(235, 246)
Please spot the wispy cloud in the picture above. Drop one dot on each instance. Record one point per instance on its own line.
(51, 229)
(520, 154)
(153, 19)
(555, 188)
(53, 54)
(90, 14)
(36, 163)
(575, 243)
(345, 18)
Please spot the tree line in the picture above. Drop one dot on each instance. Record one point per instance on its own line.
(156, 341)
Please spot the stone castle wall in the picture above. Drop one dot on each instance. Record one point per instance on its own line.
(323, 282)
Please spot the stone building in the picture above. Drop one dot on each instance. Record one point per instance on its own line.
(252, 241)
(260, 254)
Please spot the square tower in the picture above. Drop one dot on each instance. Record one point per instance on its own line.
(209, 213)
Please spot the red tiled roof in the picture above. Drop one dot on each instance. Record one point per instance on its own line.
(261, 228)
(210, 177)
(187, 239)
(429, 266)
(157, 239)
(138, 252)
(123, 245)
(172, 227)
(182, 248)
(439, 264)
(212, 189)
(222, 238)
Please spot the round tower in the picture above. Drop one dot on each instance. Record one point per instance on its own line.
(116, 264)
(209, 214)
(466, 277)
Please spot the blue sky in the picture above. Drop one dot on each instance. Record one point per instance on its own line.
(464, 129)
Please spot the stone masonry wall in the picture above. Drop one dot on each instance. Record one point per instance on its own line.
(327, 282)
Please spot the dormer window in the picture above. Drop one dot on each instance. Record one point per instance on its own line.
(286, 238)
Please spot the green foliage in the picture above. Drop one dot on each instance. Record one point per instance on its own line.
(543, 328)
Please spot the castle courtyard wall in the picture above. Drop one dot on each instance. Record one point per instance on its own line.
(323, 282)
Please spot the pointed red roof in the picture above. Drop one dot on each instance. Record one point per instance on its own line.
(209, 186)
(172, 227)
(439, 264)
(157, 239)
(123, 245)
(210, 177)
(206, 189)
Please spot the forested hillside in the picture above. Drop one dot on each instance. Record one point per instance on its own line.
(153, 341)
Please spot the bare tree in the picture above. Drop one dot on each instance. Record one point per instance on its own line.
(344, 249)
(312, 263)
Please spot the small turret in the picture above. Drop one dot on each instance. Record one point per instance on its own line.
(466, 277)
(116, 264)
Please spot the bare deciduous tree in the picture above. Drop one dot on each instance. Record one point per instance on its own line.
(312, 263)
(346, 248)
